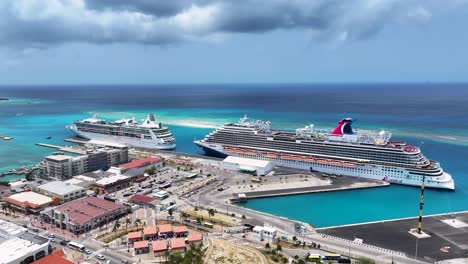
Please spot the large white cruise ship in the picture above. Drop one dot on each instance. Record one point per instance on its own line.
(341, 151)
(149, 134)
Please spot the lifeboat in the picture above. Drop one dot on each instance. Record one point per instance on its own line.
(229, 149)
(309, 159)
(239, 151)
(297, 158)
(249, 152)
(349, 164)
(335, 162)
(322, 161)
(272, 155)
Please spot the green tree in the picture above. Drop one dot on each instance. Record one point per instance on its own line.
(116, 225)
(137, 222)
(4, 207)
(211, 212)
(279, 248)
(151, 170)
(184, 215)
(127, 222)
(365, 261)
(170, 212)
(267, 246)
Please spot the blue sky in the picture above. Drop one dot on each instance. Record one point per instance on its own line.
(227, 41)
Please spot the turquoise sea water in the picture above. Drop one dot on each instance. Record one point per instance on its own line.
(437, 118)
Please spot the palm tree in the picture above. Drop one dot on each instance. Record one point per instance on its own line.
(211, 212)
(116, 225)
(137, 222)
(184, 215)
(127, 222)
(267, 246)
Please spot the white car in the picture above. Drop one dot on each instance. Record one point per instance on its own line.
(100, 257)
(87, 251)
(51, 235)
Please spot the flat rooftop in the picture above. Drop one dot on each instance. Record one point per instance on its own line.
(448, 230)
(60, 187)
(111, 179)
(58, 157)
(247, 162)
(29, 198)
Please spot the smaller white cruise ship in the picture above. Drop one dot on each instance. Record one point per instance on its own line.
(149, 134)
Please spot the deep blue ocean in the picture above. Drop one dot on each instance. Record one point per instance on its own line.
(433, 116)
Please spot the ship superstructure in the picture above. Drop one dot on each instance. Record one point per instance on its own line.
(341, 151)
(149, 134)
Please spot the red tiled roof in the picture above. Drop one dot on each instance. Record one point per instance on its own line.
(150, 231)
(84, 210)
(134, 235)
(140, 163)
(56, 257)
(141, 244)
(194, 236)
(180, 229)
(165, 228)
(159, 245)
(177, 243)
(140, 198)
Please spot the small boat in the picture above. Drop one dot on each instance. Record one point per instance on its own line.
(7, 138)
(48, 137)
(58, 153)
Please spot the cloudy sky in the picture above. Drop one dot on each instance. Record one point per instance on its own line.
(232, 41)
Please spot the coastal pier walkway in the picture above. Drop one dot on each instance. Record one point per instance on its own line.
(448, 236)
(63, 148)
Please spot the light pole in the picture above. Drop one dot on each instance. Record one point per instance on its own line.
(421, 204)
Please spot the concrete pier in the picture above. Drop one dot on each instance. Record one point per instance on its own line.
(62, 148)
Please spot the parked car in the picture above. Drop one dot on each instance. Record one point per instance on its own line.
(100, 257)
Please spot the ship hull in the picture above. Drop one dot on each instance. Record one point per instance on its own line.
(369, 171)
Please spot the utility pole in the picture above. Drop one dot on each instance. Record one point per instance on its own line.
(421, 204)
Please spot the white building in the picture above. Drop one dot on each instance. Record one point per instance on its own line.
(113, 183)
(264, 233)
(63, 167)
(17, 245)
(161, 195)
(63, 190)
(260, 167)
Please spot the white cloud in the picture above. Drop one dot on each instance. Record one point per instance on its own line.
(40, 24)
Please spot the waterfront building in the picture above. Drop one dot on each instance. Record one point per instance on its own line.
(161, 195)
(29, 202)
(84, 214)
(150, 232)
(63, 167)
(180, 231)
(141, 247)
(165, 231)
(4, 191)
(259, 167)
(113, 183)
(159, 247)
(194, 238)
(58, 257)
(177, 244)
(62, 190)
(133, 237)
(137, 168)
(18, 246)
(143, 200)
(263, 233)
